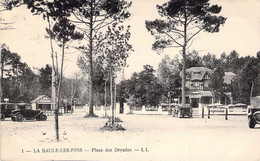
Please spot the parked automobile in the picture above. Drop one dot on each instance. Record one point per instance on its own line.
(253, 112)
(6, 109)
(165, 106)
(182, 111)
(28, 114)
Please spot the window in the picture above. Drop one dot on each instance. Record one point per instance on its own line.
(197, 85)
(206, 76)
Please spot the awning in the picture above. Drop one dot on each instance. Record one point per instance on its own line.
(199, 94)
(206, 94)
(194, 96)
(44, 103)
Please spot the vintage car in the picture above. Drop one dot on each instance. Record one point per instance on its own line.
(23, 106)
(182, 111)
(253, 112)
(6, 109)
(28, 114)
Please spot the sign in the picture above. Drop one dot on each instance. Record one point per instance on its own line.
(6, 99)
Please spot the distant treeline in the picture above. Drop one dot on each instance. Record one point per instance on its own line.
(19, 83)
(149, 87)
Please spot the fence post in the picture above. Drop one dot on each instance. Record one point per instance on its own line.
(226, 114)
(202, 112)
(208, 113)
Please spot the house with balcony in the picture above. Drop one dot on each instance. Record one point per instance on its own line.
(197, 86)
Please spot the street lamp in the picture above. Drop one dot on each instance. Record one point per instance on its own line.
(6, 100)
(175, 100)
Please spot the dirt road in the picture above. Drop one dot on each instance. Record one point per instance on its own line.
(148, 137)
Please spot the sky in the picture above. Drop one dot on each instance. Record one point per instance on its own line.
(241, 32)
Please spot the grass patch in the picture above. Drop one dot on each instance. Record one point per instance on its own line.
(117, 119)
(109, 127)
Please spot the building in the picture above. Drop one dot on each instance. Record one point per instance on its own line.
(197, 84)
(42, 102)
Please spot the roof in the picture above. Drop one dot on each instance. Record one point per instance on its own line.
(199, 94)
(194, 69)
(197, 73)
(42, 98)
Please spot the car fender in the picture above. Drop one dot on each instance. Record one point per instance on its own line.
(15, 114)
(249, 111)
(256, 117)
(39, 114)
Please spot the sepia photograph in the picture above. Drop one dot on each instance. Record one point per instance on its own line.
(130, 80)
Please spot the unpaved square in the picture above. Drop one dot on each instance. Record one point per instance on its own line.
(147, 137)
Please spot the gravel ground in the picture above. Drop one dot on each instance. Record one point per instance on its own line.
(147, 137)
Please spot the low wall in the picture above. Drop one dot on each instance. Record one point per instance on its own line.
(106, 111)
(197, 112)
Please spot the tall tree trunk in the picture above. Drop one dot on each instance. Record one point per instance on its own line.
(1, 77)
(91, 112)
(55, 104)
(252, 88)
(71, 95)
(184, 63)
(169, 99)
(53, 94)
(105, 98)
(53, 67)
(115, 99)
(53, 87)
(61, 74)
(183, 94)
(2, 68)
(112, 99)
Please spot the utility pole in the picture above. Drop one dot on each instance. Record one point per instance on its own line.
(1, 76)
(53, 97)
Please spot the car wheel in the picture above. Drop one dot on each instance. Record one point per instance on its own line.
(2, 117)
(43, 117)
(251, 123)
(19, 118)
(13, 118)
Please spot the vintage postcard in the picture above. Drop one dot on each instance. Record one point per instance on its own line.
(146, 80)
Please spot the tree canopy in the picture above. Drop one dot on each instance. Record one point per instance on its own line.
(181, 21)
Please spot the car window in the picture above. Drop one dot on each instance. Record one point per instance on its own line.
(7, 106)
